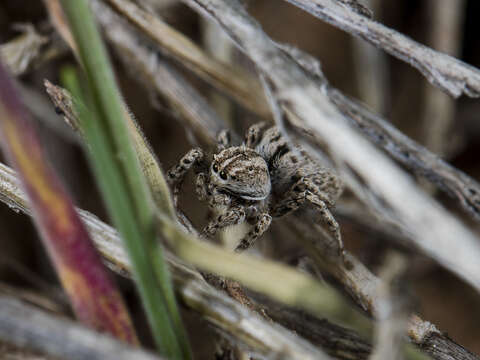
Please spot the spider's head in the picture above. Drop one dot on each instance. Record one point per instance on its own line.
(241, 172)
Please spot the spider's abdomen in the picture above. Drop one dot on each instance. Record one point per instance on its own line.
(287, 166)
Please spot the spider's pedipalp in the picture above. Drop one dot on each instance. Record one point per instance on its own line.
(201, 186)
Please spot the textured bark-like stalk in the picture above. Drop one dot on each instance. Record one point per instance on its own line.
(400, 147)
(33, 329)
(361, 284)
(94, 297)
(359, 281)
(338, 342)
(449, 74)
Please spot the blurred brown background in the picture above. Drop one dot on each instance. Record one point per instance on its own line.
(385, 84)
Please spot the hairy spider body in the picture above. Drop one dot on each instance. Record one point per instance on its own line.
(265, 177)
(241, 172)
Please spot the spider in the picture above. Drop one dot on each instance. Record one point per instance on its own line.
(261, 179)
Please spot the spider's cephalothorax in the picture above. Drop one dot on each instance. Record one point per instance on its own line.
(261, 179)
(241, 172)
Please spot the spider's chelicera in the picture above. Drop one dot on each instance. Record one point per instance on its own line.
(260, 179)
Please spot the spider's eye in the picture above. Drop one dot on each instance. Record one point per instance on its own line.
(223, 175)
(215, 167)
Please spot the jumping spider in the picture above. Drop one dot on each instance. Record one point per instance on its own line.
(261, 179)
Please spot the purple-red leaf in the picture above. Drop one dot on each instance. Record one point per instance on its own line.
(93, 295)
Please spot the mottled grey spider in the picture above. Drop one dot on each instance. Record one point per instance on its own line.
(261, 179)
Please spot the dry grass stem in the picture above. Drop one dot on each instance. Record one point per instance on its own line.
(392, 313)
(371, 69)
(449, 74)
(159, 76)
(232, 81)
(20, 54)
(400, 147)
(361, 285)
(445, 35)
(30, 328)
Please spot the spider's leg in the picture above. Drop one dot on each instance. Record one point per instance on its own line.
(326, 186)
(223, 140)
(302, 191)
(254, 134)
(176, 174)
(233, 216)
(293, 199)
(262, 224)
(327, 218)
(319, 190)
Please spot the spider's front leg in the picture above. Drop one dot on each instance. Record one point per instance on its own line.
(176, 174)
(263, 222)
(233, 216)
(305, 190)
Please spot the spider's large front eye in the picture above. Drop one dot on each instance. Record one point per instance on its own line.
(215, 167)
(223, 175)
